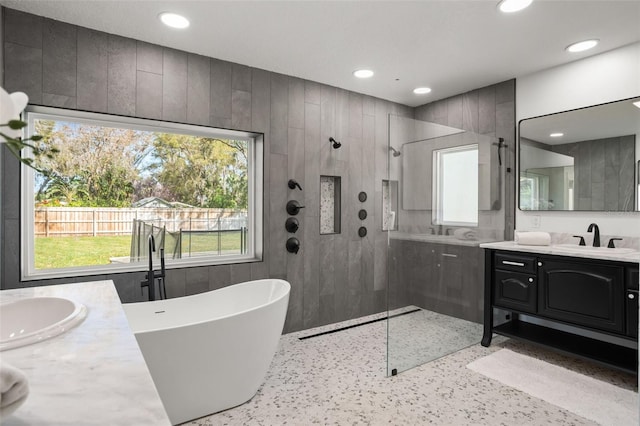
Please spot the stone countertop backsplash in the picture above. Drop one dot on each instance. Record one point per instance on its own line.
(94, 374)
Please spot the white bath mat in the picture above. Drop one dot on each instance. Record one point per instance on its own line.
(585, 396)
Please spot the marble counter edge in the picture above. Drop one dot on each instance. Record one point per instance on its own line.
(92, 374)
(445, 240)
(513, 246)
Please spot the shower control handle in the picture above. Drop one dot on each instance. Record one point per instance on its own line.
(293, 245)
(293, 207)
(292, 225)
(293, 184)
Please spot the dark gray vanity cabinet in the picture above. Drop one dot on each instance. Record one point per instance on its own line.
(438, 277)
(582, 306)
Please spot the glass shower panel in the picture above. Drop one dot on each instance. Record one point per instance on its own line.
(451, 189)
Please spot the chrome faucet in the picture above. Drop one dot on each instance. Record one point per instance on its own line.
(596, 234)
(151, 277)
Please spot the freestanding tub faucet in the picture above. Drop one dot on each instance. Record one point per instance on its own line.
(596, 234)
(151, 277)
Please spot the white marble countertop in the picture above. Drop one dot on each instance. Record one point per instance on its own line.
(604, 255)
(94, 374)
(438, 239)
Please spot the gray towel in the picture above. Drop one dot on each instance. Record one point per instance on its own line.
(14, 389)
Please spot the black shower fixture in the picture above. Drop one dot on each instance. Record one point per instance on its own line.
(293, 184)
(396, 153)
(335, 143)
(500, 144)
(293, 207)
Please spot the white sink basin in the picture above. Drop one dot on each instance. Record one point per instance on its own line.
(592, 250)
(27, 321)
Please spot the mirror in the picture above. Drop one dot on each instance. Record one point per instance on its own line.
(584, 159)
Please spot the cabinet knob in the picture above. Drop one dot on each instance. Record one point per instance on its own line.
(539, 263)
(631, 296)
(530, 279)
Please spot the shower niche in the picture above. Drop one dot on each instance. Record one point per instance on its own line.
(330, 196)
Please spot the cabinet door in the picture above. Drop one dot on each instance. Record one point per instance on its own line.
(582, 293)
(514, 290)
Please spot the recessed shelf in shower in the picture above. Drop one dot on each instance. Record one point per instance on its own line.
(330, 191)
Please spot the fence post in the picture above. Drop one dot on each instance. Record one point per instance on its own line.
(93, 222)
(46, 222)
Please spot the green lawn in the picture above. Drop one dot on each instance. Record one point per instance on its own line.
(64, 252)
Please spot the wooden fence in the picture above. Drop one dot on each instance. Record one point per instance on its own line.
(88, 221)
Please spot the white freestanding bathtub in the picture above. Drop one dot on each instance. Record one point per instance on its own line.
(210, 351)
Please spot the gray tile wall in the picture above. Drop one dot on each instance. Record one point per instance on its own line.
(333, 277)
(603, 173)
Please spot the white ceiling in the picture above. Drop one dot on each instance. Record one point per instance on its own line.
(450, 46)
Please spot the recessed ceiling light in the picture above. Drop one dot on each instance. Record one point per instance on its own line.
(421, 90)
(363, 73)
(174, 20)
(637, 104)
(509, 6)
(556, 135)
(581, 46)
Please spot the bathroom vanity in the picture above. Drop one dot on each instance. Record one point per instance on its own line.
(93, 374)
(585, 304)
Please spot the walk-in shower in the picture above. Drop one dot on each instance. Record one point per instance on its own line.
(447, 200)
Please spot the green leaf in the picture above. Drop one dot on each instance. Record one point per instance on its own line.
(17, 124)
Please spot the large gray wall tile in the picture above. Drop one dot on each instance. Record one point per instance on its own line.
(149, 95)
(261, 105)
(174, 85)
(241, 78)
(93, 64)
(23, 28)
(60, 101)
(198, 89)
(296, 103)
(278, 200)
(59, 53)
(221, 72)
(149, 57)
(23, 71)
(241, 110)
(355, 115)
(312, 92)
(121, 90)
(279, 113)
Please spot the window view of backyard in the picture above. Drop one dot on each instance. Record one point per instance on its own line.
(97, 201)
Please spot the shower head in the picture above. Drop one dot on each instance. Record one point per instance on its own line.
(335, 143)
(396, 153)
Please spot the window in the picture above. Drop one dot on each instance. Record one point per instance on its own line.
(118, 180)
(456, 186)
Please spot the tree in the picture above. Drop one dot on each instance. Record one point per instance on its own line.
(205, 172)
(102, 160)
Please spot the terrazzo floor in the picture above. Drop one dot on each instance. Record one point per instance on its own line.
(340, 379)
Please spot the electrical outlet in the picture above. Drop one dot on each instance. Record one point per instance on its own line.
(535, 221)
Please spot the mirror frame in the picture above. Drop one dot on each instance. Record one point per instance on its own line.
(636, 167)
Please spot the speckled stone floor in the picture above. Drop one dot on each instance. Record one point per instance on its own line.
(340, 379)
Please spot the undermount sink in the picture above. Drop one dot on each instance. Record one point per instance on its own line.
(592, 250)
(27, 321)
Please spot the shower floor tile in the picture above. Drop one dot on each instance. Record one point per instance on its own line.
(340, 378)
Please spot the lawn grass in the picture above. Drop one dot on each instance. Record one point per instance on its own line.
(65, 252)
